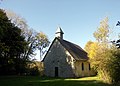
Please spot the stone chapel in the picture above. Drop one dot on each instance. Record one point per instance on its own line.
(66, 59)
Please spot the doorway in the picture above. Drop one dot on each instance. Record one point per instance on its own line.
(56, 71)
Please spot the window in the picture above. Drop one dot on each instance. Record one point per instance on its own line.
(89, 66)
(82, 66)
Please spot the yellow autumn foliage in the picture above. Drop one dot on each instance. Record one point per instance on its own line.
(91, 48)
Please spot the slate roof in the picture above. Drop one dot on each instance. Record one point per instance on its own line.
(76, 51)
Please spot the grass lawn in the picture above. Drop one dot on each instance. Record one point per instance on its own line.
(44, 81)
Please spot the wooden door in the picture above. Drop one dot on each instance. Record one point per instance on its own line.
(56, 71)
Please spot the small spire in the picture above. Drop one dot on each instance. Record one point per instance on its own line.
(59, 30)
(59, 33)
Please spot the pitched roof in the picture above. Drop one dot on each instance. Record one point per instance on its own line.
(76, 51)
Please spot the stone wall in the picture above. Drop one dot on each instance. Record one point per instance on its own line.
(57, 57)
(67, 66)
(87, 69)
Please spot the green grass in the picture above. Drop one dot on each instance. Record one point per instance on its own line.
(44, 81)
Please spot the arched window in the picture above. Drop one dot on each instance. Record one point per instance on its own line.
(82, 67)
(89, 67)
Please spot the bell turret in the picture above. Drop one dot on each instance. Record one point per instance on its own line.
(59, 33)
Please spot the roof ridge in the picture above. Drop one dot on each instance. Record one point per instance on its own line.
(75, 45)
(76, 51)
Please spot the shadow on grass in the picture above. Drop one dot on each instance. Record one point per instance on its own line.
(44, 81)
(64, 82)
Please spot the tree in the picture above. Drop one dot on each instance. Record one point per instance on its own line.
(93, 48)
(102, 33)
(117, 42)
(99, 61)
(30, 37)
(42, 43)
(109, 67)
(17, 20)
(104, 57)
(12, 45)
(29, 34)
(88, 45)
(34, 39)
(118, 23)
(99, 48)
